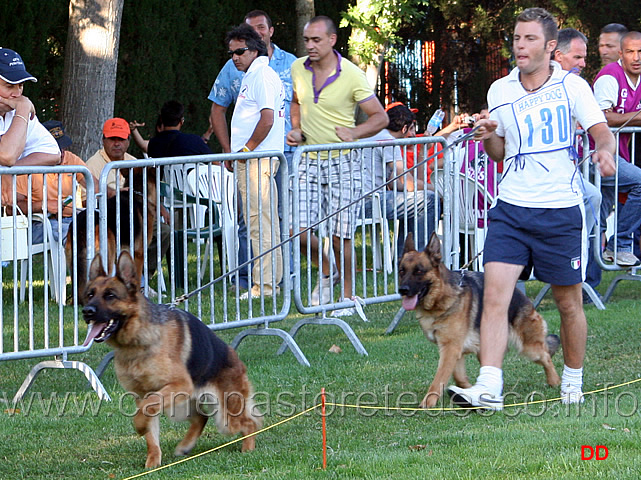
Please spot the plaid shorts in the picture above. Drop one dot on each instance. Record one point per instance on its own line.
(327, 185)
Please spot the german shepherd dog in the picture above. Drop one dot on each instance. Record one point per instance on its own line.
(169, 360)
(131, 218)
(448, 307)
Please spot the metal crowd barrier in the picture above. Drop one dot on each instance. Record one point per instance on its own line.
(610, 229)
(361, 255)
(204, 204)
(58, 334)
(632, 273)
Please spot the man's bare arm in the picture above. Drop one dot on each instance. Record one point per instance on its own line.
(376, 121)
(218, 122)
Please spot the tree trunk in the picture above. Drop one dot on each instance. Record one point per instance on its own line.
(304, 13)
(91, 62)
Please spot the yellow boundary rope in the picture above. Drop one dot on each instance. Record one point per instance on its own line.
(224, 445)
(370, 407)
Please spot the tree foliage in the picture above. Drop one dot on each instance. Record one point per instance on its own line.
(381, 21)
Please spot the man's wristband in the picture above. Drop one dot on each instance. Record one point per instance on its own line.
(245, 149)
(20, 116)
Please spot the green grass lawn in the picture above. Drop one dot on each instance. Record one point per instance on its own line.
(47, 441)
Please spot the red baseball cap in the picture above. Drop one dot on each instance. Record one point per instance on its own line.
(116, 127)
(398, 104)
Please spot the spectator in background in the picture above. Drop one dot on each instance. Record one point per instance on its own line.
(115, 142)
(327, 89)
(225, 91)
(381, 165)
(66, 193)
(258, 125)
(169, 140)
(610, 42)
(618, 92)
(23, 140)
(570, 52)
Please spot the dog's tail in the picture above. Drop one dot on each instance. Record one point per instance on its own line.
(553, 342)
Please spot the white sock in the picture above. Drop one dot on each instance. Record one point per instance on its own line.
(492, 379)
(572, 377)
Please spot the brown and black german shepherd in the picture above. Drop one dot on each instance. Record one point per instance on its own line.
(169, 360)
(131, 218)
(448, 307)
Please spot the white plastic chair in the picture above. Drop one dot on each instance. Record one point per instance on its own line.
(55, 256)
(468, 208)
(221, 192)
(378, 222)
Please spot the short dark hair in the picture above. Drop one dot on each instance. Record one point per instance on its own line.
(399, 117)
(565, 38)
(329, 23)
(250, 36)
(615, 28)
(259, 13)
(630, 36)
(171, 113)
(542, 16)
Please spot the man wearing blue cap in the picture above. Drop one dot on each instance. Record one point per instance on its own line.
(23, 140)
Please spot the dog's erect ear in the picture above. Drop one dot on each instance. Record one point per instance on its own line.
(409, 243)
(433, 249)
(126, 270)
(96, 270)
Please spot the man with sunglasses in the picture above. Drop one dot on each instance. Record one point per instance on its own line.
(225, 91)
(258, 125)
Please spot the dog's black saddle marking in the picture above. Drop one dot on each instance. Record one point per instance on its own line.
(209, 354)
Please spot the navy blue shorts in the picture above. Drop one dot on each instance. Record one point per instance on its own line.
(553, 240)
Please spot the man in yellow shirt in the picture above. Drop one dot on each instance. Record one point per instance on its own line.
(327, 89)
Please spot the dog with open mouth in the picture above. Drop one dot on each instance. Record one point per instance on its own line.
(169, 360)
(448, 306)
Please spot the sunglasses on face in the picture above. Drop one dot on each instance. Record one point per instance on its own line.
(238, 51)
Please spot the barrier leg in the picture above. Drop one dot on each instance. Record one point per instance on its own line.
(615, 282)
(358, 346)
(102, 366)
(396, 321)
(596, 300)
(288, 340)
(94, 381)
(542, 293)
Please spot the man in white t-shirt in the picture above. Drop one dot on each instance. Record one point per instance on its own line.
(258, 125)
(23, 140)
(539, 217)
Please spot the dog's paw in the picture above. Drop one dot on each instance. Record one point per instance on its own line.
(429, 401)
(183, 450)
(154, 459)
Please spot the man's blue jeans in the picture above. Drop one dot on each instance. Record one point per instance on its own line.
(413, 210)
(629, 218)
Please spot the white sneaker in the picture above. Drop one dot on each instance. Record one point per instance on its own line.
(344, 312)
(322, 293)
(623, 259)
(254, 292)
(571, 394)
(475, 396)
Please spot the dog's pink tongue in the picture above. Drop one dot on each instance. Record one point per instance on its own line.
(92, 332)
(409, 303)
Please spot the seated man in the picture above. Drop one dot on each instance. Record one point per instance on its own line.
(66, 193)
(23, 140)
(115, 141)
(412, 204)
(616, 89)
